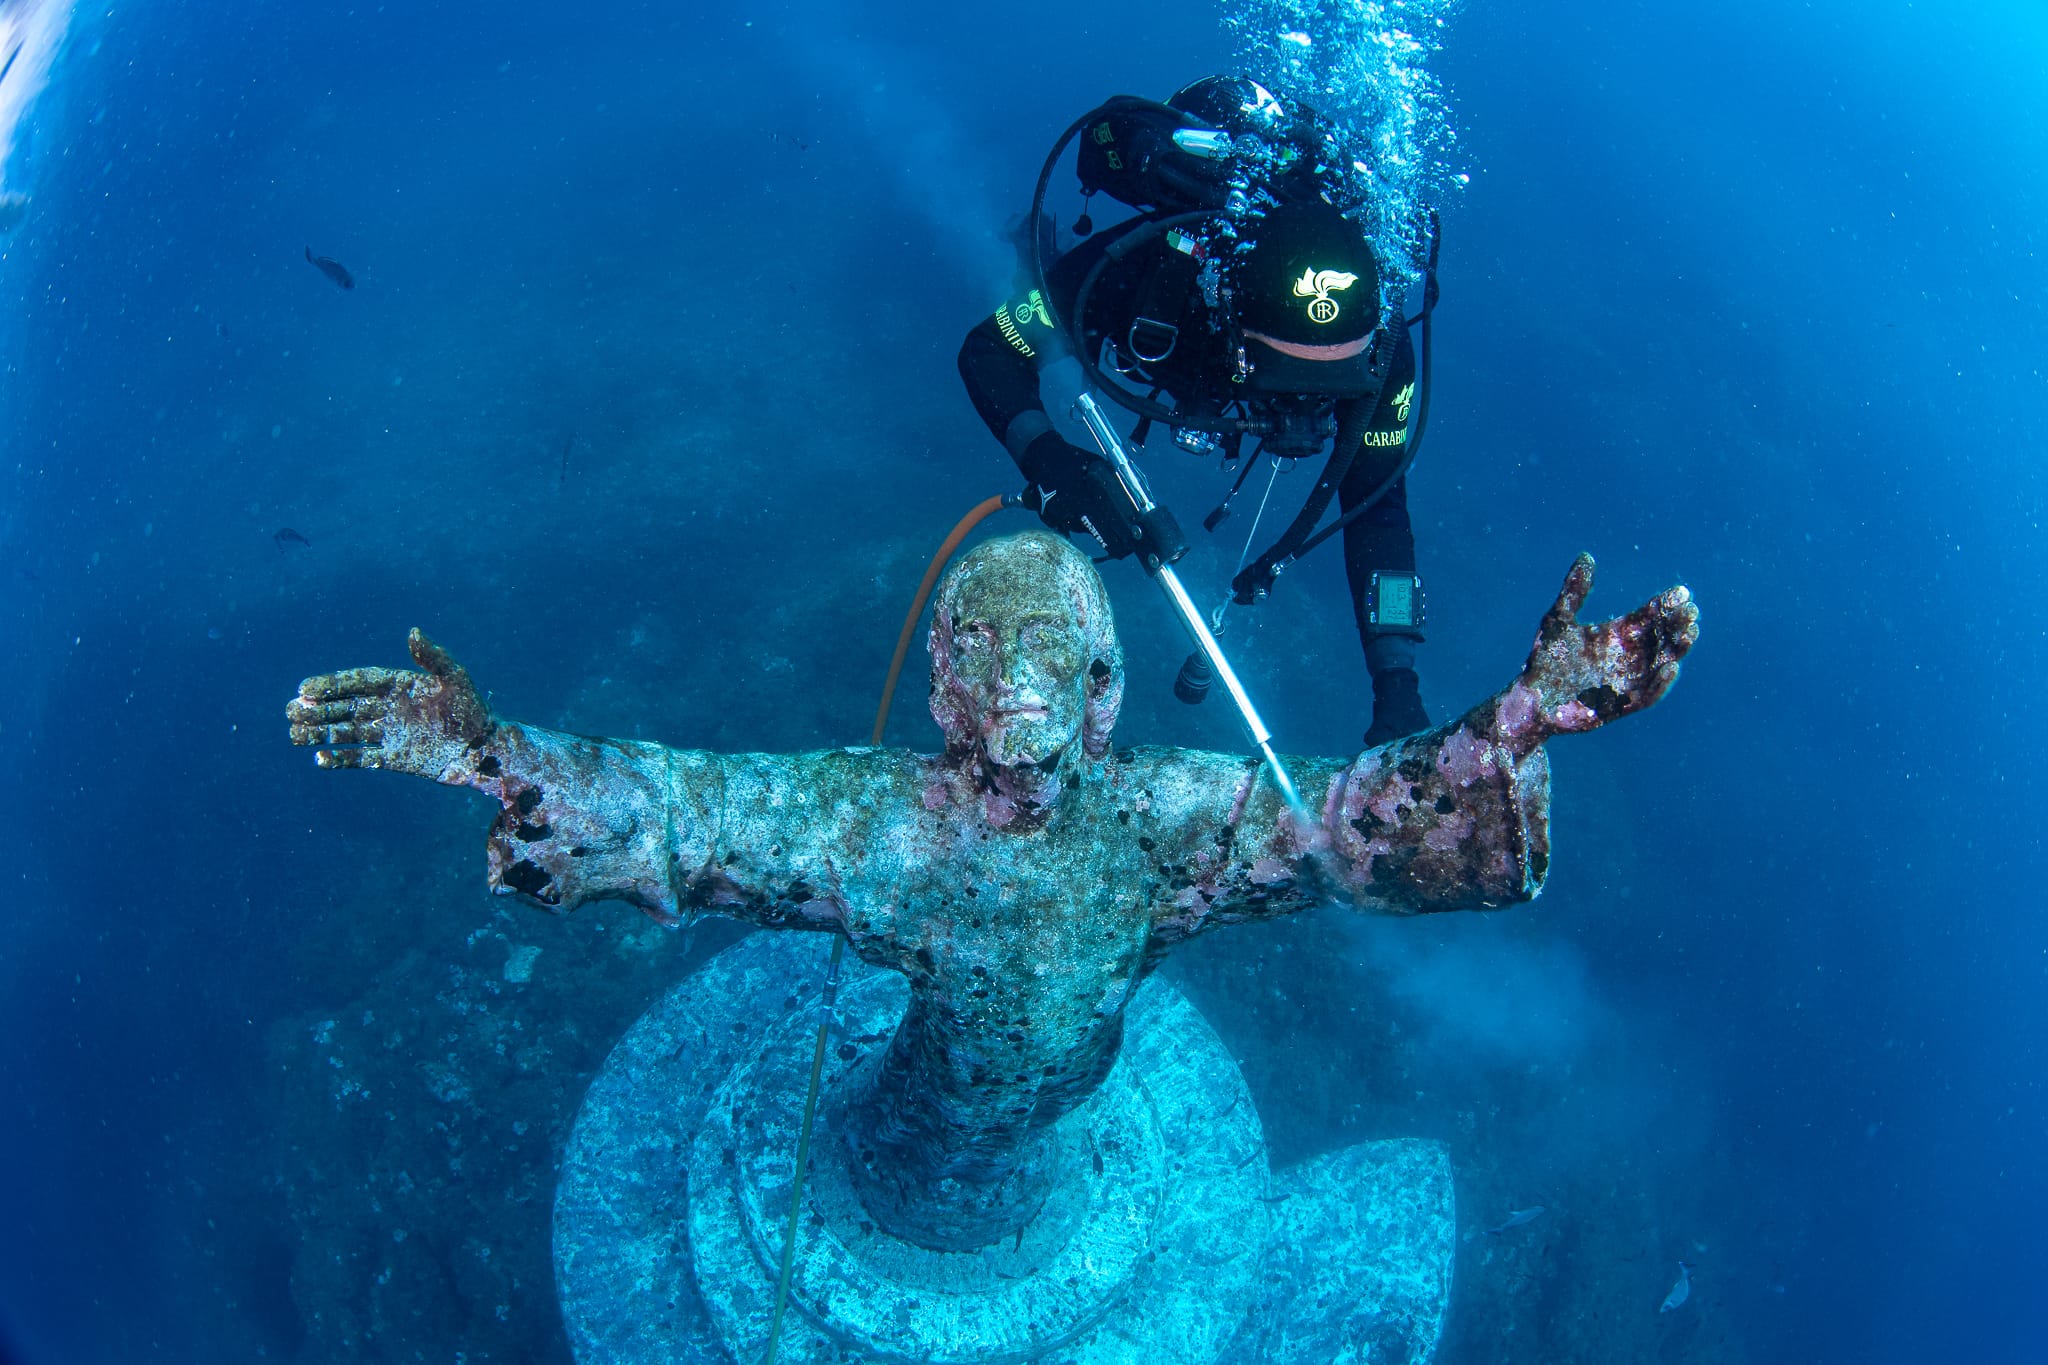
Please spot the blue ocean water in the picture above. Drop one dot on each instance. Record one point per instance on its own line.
(644, 403)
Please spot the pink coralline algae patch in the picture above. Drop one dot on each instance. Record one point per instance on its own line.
(1348, 803)
(1576, 715)
(1465, 759)
(1451, 832)
(1385, 803)
(1517, 710)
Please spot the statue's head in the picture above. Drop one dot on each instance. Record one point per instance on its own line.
(1026, 673)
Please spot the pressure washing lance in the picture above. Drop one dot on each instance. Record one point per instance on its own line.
(1112, 446)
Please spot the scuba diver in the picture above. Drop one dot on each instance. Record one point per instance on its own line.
(1244, 295)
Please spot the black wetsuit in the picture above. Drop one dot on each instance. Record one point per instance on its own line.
(1000, 360)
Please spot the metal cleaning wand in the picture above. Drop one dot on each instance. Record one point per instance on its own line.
(1112, 445)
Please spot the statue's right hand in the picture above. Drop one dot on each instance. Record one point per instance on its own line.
(429, 723)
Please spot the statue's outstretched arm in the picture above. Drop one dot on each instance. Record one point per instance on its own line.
(1458, 817)
(1455, 818)
(580, 819)
(673, 831)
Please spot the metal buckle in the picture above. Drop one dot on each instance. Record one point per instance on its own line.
(1163, 330)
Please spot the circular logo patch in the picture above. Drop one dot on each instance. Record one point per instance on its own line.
(1316, 286)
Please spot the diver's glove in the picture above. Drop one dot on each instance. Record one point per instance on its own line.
(1076, 492)
(1396, 706)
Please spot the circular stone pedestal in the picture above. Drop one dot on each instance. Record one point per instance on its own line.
(674, 1199)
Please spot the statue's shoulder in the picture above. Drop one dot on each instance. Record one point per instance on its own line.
(1142, 760)
(887, 771)
(1173, 780)
(862, 765)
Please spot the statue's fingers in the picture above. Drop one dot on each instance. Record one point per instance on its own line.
(1678, 624)
(343, 733)
(1578, 583)
(1652, 688)
(1658, 632)
(302, 712)
(346, 758)
(431, 656)
(1648, 645)
(352, 682)
(1564, 612)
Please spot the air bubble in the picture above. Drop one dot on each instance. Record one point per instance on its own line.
(1362, 65)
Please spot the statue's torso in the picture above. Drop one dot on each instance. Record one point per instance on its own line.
(1021, 941)
(1021, 945)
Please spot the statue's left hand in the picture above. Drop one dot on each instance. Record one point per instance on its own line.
(429, 723)
(1580, 677)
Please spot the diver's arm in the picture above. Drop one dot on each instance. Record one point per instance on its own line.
(1006, 350)
(1381, 541)
(1378, 546)
(999, 368)
(1383, 537)
(1074, 490)
(1003, 355)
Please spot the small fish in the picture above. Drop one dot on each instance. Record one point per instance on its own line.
(285, 535)
(1680, 1292)
(331, 268)
(1516, 1219)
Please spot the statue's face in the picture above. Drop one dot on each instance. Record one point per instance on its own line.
(1022, 664)
(1026, 673)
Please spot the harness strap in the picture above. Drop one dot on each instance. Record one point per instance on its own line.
(1221, 511)
(1353, 417)
(1256, 580)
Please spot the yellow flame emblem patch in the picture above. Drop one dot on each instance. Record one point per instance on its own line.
(1315, 286)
